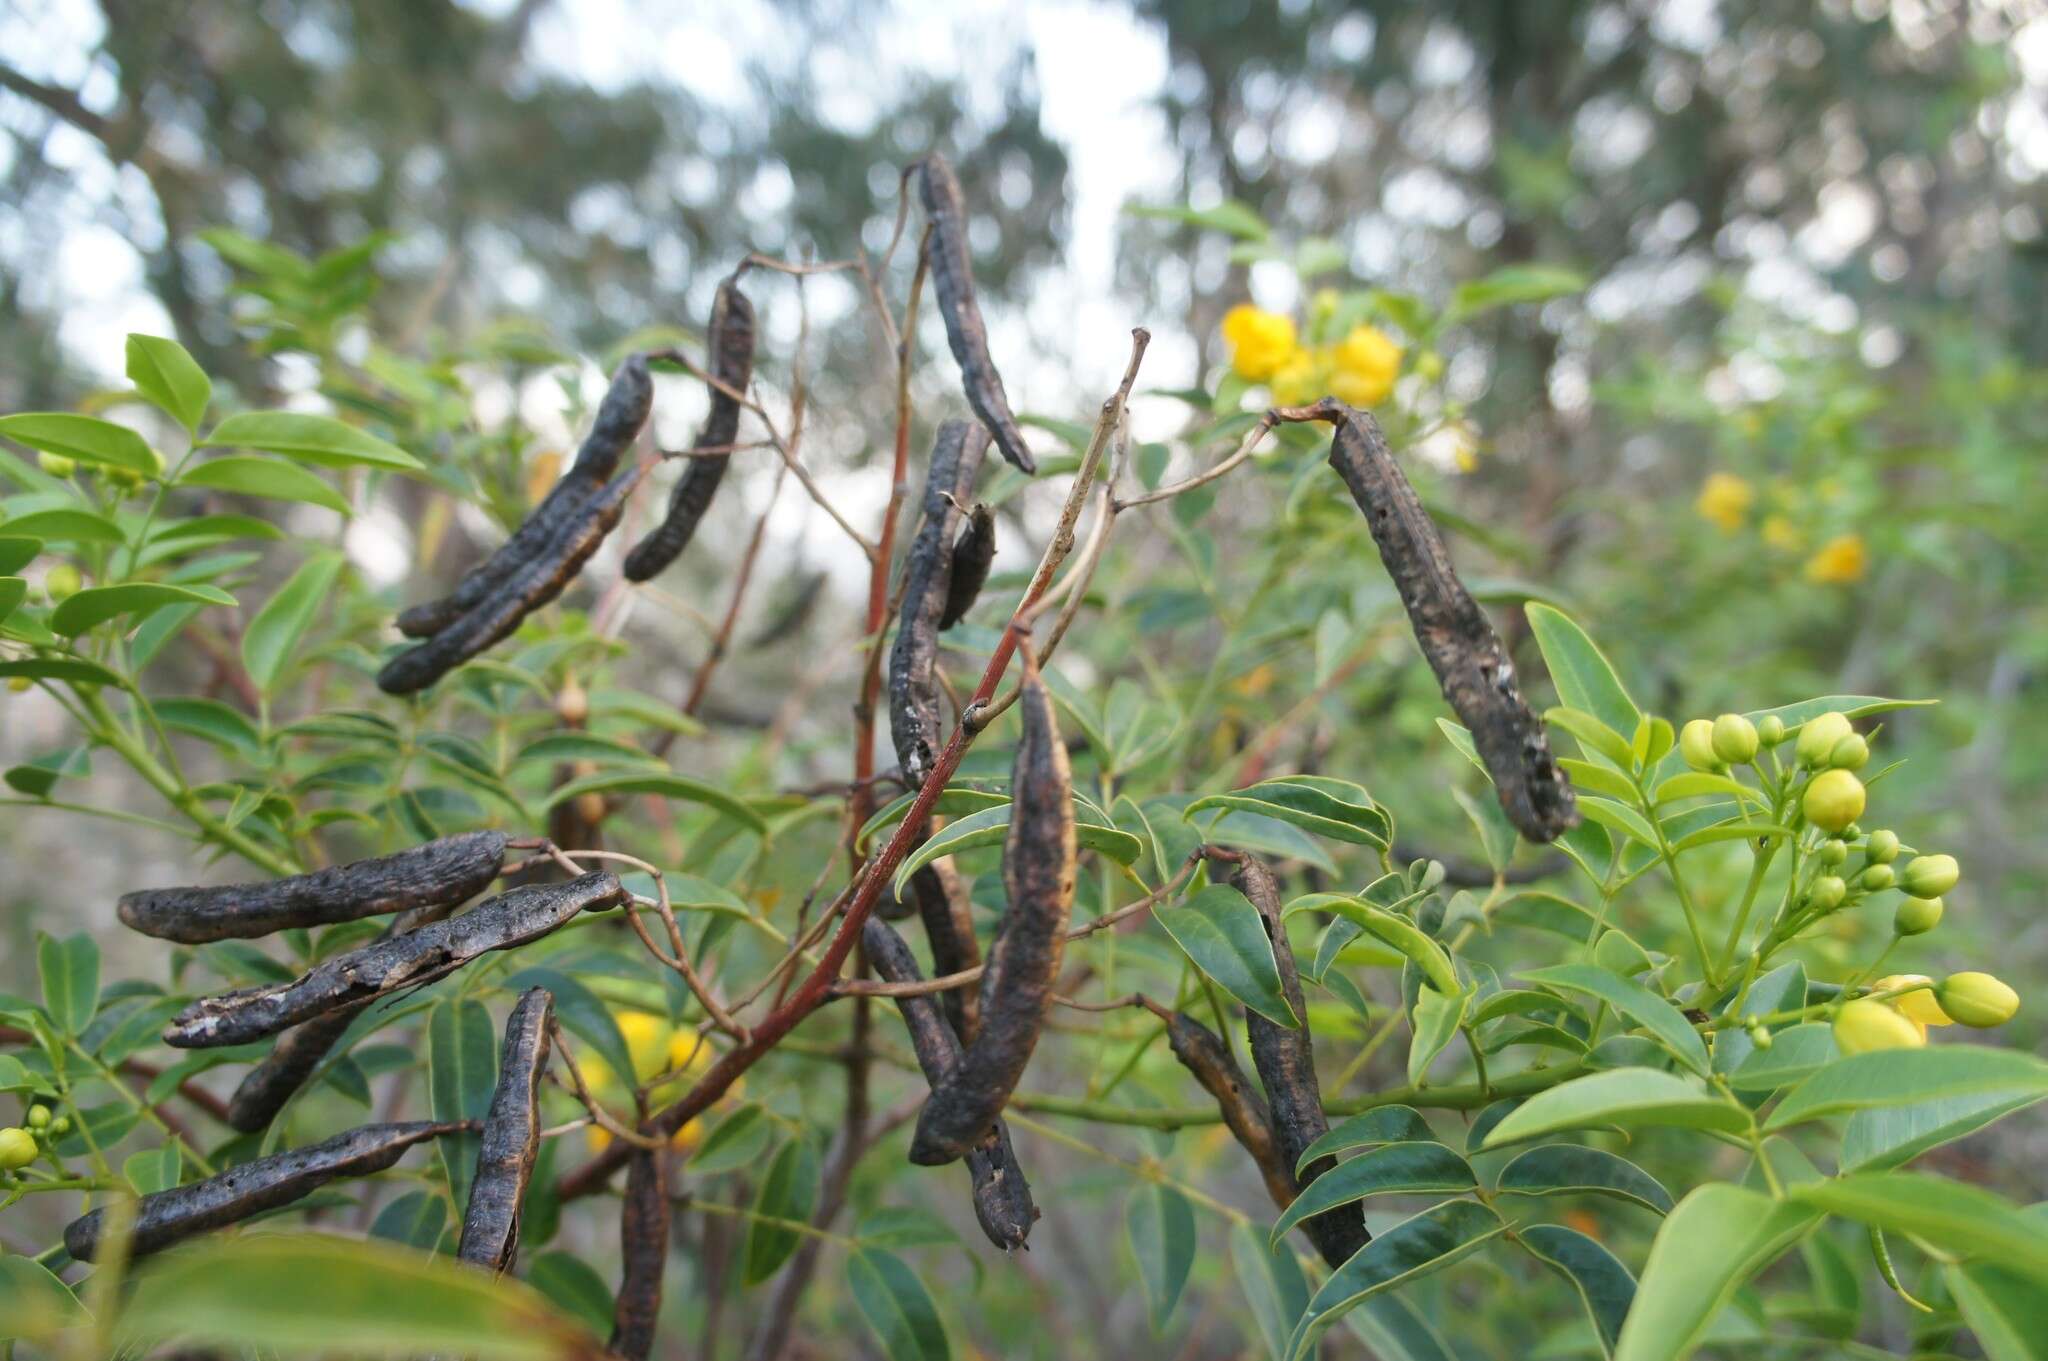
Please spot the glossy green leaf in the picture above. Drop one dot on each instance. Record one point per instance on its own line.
(1572, 1169)
(84, 438)
(1796, 1053)
(1160, 1225)
(1618, 817)
(557, 747)
(1435, 1019)
(1590, 778)
(1584, 678)
(1380, 1125)
(1391, 1169)
(37, 1304)
(1512, 284)
(896, 1305)
(165, 373)
(311, 439)
(2007, 1311)
(735, 1142)
(17, 551)
(1693, 784)
(1716, 1239)
(1603, 1283)
(1895, 1077)
(1850, 706)
(416, 1219)
(65, 526)
(990, 826)
(1633, 1000)
(153, 1169)
(1335, 809)
(1887, 1136)
(789, 1190)
(69, 970)
(1273, 1286)
(462, 1072)
(97, 604)
(1731, 831)
(1593, 735)
(1223, 934)
(270, 478)
(582, 1013)
(574, 1287)
(1391, 928)
(668, 786)
(1395, 1331)
(273, 635)
(13, 590)
(953, 802)
(1628, 1097)
(1426, 1242)
(73, 669)
(1954, 1216)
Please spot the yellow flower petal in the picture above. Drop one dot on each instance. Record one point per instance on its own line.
(1724, 501)
(1838, 562)
(1260, 342)
(1918, 1006)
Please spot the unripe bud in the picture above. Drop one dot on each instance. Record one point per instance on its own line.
(62, 582)
(38, 1117)
(1977, 999)
(572, 705)
(1429, 366)
(1864, 1026)
(1827, 892)
(1770, 730)
(20, 683)
(1818, 735)
(1917, 916)
(1833, 800)
(1759, 1036)
(1930, 876)
(1877, 878)
(61, 1126)
(56, 465)
(1882, 848)
(1696, 745)
(1851, 753)
(1917, 1005)
(1833, 851)
(17, 1148)
(1734, 739)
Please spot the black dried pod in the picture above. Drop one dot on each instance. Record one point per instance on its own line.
(449, 871)
(914, 696)
(620, 418)
(511, 1139)
(643, 1242)
(729, 346)
(1203, 1053)
(164, 1217)
(1024, 960)
(381, 967)
(944, 907)
(953, 282)
(1470, 663)
(973, 552)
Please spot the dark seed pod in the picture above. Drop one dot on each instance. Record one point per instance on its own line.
(729, 345)
(953, 282)
(914, 697)
(1002, 1196)
(381, 967)
(164, 1217)
(448, 871)
(948, 917)
(1286, 1060)
(973, 552)
(1023, 962)
(1455, 634)
(619, 420)
(643, 1241)
(511, 1142)
(1202, 1052)
(532, 585)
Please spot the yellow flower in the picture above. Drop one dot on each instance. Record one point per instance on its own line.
(1367, 364)
(1725, 500)
(1839, 561)
(1780, 533)
(1303, 378)
(1260, 342)
(1920, 1007)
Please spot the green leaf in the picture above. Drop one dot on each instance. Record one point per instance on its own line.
(16, 552)
(1223, 934)
(1628, 1097)
(1238, 219)
(70, 973)
(788, 1191)
(2008, 1313)
(1693, 784)
(1896, 1077)
(417, 1219)
(1570, 1169)
(1885, 1137)
(1595, 779)
(163, 372)
(582, 1013)
(1435, 1019)
(1161, 1226)
(269, 478)
(1391, 1169)
(214, 721)
(1849, 706)
(737, 1141)
(1415, 1247)
(1584, 678)
(37, 1303)
(582, 746)
(953, 802)
(275, 631)
(668, 786)
(1954, 1216)
(574, 1287)
(1496, 834)
(1512, 284)
(896, 1305)
(1730, 831)
(1380, 1125)
(991, 825)
(202, 531)
(1330, 808)
(1273, 1286)
(84, 438)
(1709, 1246)
(1796, 1053)
(97, 604)
(1391, 928)
(13, 590)
(1634, 1001)
(1603, 1283)
(1618, 818)
(462, 1071)
(76, 670)
(153, 1169)
(1395, 1331)
(311, 439)
(66, 526)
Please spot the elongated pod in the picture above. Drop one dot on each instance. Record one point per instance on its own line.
(948, 916)
(953, 282)
(1203, 1053)
(531, 586)
(729, 346)
(511, 1140)
(1470, 663)
(382, 967)
(1286, 1060)
(914, 695)
(1002, 1197)
(1024, 960)
(620, 418)
(643, 1244)
(164, 1217)
(449, 871)
(973, 553)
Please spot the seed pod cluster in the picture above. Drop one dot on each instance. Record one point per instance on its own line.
(729, 343)
(1024, 960)
(164, 1217)
(1002, 1196)
(1286, 1061)
(953, 282)
(441, 873)
(914, 697)
(1470, 663)
(382, 967)
(1203, 1053)
(973, 553)
(511, 1139)
(643, 1243)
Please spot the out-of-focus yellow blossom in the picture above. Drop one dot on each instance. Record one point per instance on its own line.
(1463, 438)
(1779, 532)
(1919, 1007)
(657, 1047)
(1303, 378)
(1261, 342)
(1839, 561)
(1366, 363)
(1725, 500)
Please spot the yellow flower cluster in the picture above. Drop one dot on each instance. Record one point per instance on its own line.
(1838, 562)
(657, 1047)
(1265, 347)
(1726, 500)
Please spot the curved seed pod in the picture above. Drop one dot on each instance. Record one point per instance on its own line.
(448, 871)
(1286, 1060)
(948, 916)
(415, 958)
(643, 1241)
(914, 698)
(1470, 664)
(953, 282)
(729, 346)
(1202, 1052)
(1016, 983)
(532, 585)
(164, 1217)
(973, 552)
(1002, 1196)
(619, 420)
(511, 1142)
(264, 1089)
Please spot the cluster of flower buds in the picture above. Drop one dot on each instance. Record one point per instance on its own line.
(1899, 1008)
(19, 1147)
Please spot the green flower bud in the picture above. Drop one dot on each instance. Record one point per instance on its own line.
(56, 465)
(1977, 999)
(20, 683)
(1882, 848)
(1833, 851)
(1429, 366)
(1827, 892)
(1770, 730)
(17, 1148)
(1851, 753)
(1930, 876)
(61, 1126)
(1696, 745)
(38, 1117)
(1833, 800)
(1917, 916)
(1864, 1026)
(62, 582)
(1818, 735)
(1877, 878)
(1759, 1036)
(1734, 739)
